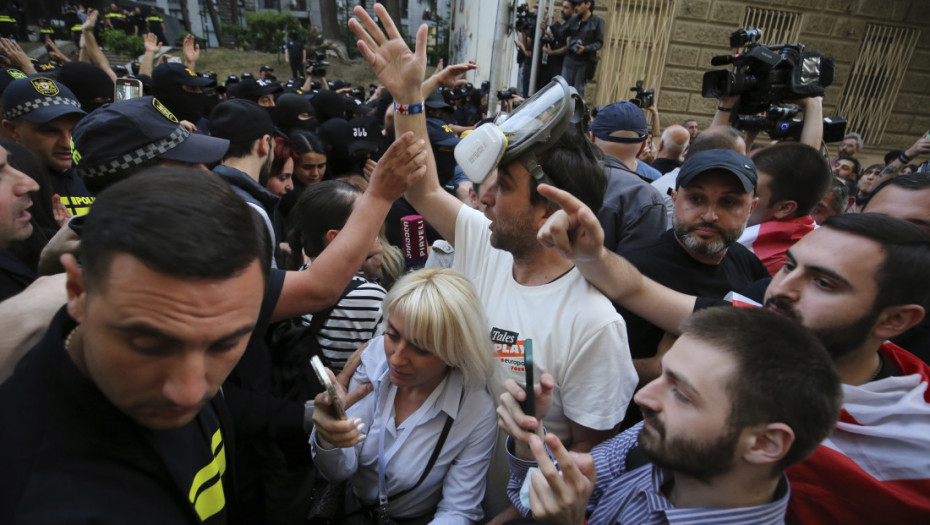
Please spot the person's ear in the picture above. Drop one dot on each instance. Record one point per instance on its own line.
(767, 444)
(10, 129)
(330, 235)
(74, 285)
(784, 210)
(895, 320)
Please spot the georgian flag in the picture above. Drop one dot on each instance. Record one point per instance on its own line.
(770, 240)
(875, 466)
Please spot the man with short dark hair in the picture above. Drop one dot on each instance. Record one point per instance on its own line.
(15, 225)
(847, 167)
(532, 294)
(40, 114)
(714, 197)
(159, 311)
(793, 177)
(856, 282)
(834, 202)
(907, 197)
(743, 395)
(584, 36)
(249, 130)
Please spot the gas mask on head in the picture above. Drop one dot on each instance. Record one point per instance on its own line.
(527, 132)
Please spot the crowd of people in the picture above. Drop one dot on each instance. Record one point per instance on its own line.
(606, 330)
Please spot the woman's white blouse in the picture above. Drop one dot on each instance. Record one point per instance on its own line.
(457, 480)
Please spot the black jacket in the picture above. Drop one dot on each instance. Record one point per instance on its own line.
(70, 456)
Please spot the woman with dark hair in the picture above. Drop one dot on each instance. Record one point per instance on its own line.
(309, 166)
(321, 212)
(279, 180)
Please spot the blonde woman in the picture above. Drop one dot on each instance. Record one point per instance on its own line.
(429, 400)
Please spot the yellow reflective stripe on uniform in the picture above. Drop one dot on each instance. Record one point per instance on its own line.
(211, 500)
(77, 27)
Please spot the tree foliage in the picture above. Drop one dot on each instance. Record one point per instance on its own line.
(266, 31)
(120, 43)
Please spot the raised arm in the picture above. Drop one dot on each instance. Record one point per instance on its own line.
(16, 56)
(401, 71)
(93, 51)
(152, 45)
(918, 148)
(191, 51)
(812, 130)
(575, 231)
(322, 284)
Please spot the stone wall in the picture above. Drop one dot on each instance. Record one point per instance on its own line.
(701, 29)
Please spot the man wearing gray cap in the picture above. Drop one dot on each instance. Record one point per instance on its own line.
(40, 114)
(714, 196)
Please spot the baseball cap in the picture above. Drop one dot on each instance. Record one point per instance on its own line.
(620, 116)
(8, 75)
(363, 134)
(435, 100)
(119, 136)
(723, 159)
(440, 134)
(174, 73)
(39, 100)
(266, 68)
(251, 89)
(240, 120)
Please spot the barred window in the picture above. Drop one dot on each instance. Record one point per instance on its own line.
(876, 78)
(778, 27)
(635, 47)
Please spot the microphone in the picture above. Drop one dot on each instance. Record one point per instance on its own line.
(723, 59)
(413, 228)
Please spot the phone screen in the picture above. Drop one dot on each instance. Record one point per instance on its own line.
(127, 88)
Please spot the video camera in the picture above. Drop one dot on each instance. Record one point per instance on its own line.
(318, 65)
(767, 75)
(644, 98)
(507, 94)
(525, 20)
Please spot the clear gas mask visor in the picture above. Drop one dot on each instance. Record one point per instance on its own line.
(535, 126)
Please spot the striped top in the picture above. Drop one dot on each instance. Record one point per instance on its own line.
(622, 496)
(354, 321)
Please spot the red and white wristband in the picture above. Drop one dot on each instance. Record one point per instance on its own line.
(408, 109)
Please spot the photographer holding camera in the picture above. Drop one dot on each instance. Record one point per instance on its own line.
(584, 36)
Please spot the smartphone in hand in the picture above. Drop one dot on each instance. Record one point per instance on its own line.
(327, 383)
(127, 88)
(529, 406)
